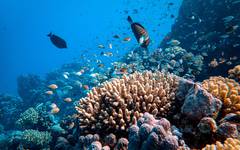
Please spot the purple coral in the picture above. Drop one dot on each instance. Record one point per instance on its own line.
(152, 134)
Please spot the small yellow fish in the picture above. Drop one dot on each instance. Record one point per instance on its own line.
(53, 86)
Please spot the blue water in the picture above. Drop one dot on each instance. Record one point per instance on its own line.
(84, 24)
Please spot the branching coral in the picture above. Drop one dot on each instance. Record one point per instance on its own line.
(118, 103)
(227, 90)
(235, 73)
(35, 139)
(29, 118)
(229, 144)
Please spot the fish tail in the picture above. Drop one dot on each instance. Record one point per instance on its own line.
(129, 19)
(49, 34)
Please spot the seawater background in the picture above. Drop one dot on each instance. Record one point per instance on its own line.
(84, 24)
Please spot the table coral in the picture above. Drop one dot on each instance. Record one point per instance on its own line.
(235, 73)
(227, 90)
(229, 144)
(118, 103)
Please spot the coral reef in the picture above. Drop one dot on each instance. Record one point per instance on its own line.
(199, 103)
(235, 73)
(30, 89)
(227, 90)
(177, 60)
(28, 118)
(9, 106)
(36, 118)
(150, 133)
(93, 142)
(35, 139)
(229, 144)
(120, 102)
(201, 29)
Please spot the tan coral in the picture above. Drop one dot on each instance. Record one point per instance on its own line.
(229, 144)
(235, 73)
(118, 103)
(227, 90)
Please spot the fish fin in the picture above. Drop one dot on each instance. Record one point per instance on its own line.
(49, 34)
(139, 25)
(130, 20)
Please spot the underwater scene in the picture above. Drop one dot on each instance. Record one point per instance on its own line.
(120, 75)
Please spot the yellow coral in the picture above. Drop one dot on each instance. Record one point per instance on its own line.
(229, 144)
(118, 103)
(235, 73)
(227, 90)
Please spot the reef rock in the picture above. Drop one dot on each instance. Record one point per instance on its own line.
(199, 103)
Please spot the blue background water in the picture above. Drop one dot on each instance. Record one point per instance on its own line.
(84, 24)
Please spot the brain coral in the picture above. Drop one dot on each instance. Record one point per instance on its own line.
(229, 144)
(235, 73)
(118, 103)
(227, 90)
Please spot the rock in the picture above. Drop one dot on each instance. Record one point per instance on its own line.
(199, 103)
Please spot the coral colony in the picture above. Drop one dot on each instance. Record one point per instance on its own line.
(184, 95)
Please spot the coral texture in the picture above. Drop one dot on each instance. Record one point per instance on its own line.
(235, 73)
(35, 139)
(118, 103)
(29, 118)
(199, 103)
(229, 144)
(227, 90)
(150, 133)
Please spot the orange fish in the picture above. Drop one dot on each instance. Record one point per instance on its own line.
(127, 39)
(86, 87)
(213, 63)
(55, 110)
(68, 100)
(53, 86)
(49, 92)
(123, 70)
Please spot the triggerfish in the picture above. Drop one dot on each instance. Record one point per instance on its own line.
(140, 33)
(57, 41)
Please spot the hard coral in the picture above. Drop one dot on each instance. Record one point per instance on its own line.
(29, 118)
(229, 144)
(235, 73)
(227, 90)
(116, 104)
(35, 139)
(154, 134)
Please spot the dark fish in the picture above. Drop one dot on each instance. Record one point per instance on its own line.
(57, 41)
(232, 118)
(172, 16)
(116, 36)
(140, 33)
